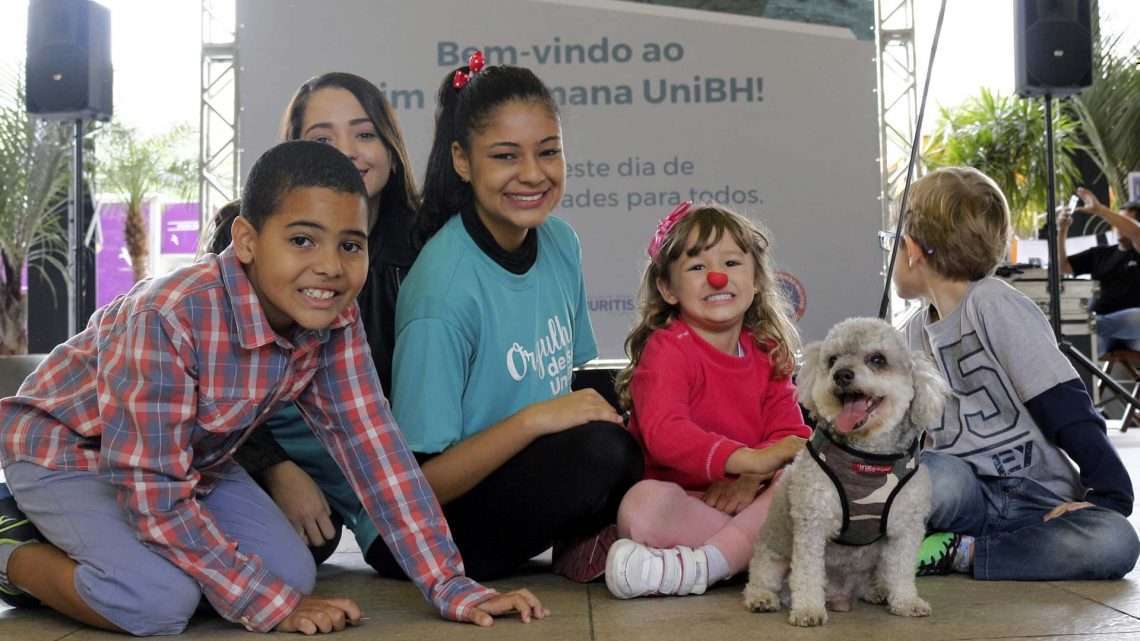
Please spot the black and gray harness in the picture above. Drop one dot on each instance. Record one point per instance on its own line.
(867, 484)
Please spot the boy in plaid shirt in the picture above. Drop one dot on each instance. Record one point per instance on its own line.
(118, 447)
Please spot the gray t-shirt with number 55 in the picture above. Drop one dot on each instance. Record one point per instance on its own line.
(997, 351)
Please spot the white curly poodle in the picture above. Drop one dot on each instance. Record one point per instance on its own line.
(849, 514)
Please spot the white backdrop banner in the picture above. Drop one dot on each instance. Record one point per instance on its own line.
(775, 119)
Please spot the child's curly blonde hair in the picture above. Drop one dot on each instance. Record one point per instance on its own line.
(767, 318)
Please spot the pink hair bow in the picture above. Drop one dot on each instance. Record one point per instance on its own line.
(666, 225)
(475, 64)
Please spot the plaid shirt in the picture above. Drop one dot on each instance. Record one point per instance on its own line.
(162, 386)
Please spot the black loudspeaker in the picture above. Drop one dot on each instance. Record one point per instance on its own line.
(48, 287)
(1052, 47)
(69, 72)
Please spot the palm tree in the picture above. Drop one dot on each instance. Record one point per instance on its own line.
(33, 188)
(139, 168)
(1004, 137)
(1109, 113)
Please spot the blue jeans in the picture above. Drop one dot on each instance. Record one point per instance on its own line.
(126, 581)
(1012, 541)
(1119, 330)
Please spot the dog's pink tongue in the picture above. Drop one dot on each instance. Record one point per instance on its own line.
(852, 412)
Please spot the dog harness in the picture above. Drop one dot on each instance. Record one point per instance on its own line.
(867, 484)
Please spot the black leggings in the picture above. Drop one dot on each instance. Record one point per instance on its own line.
(561, 486)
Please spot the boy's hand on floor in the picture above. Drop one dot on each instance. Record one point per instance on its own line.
(301, 501)
(522, 601)
(316, 614)
(1070, 506)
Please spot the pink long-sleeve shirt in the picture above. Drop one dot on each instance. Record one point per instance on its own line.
(693, 405)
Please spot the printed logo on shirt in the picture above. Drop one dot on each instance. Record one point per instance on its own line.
(552, 358)
(1014, 459)
(981, 403)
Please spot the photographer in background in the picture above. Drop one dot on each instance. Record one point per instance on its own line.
(1117, 269)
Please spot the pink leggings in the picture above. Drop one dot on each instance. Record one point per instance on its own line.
(663, 515)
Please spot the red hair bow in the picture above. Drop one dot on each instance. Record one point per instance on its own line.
(475, 64)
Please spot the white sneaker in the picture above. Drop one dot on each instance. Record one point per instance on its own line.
(634, 570)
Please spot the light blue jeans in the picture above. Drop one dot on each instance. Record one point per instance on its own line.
(1119, 330)
(1013, 542)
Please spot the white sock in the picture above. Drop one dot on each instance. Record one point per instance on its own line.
(718, 565)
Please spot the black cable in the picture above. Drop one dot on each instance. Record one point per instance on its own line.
(886, 300)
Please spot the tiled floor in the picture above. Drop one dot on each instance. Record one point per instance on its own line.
(963, 609)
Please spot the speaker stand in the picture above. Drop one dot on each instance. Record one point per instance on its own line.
(1054, 272)
(77, 308)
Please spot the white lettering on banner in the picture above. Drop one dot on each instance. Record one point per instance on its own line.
(553, 357)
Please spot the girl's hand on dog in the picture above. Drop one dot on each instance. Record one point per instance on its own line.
(764, 461)
(789, 446)
(1069, 506)
(522, 601)
(732, 496)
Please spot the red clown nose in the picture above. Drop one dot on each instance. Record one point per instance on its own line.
(717, 279)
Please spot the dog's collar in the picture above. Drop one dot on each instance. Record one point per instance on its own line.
(820, 437)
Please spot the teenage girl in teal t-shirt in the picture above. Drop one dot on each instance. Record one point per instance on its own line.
(490, 323)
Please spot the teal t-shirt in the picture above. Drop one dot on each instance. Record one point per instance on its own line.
(476, 343)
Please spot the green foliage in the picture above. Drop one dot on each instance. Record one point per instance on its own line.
(1109, 113)
(34, 159)
(1004, 137)
(33, 188)
(138, 167)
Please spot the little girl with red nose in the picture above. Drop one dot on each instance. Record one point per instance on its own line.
(711, 401)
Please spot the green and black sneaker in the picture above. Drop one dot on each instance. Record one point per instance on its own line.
(15, 528)
(936, 555)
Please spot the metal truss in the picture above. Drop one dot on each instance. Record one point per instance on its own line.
(217, 148)
(898, 102)
(898, 93)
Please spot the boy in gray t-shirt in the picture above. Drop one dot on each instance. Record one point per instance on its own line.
(1008, 501)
